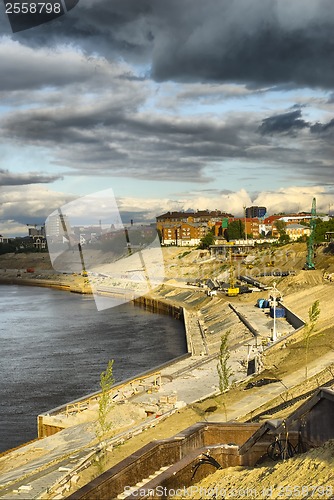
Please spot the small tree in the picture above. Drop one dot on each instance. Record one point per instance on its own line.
(280, 226)
(235, 230)
(105, 402)
(206, 241)
(313, 314)
(224, 371)
(284, 238)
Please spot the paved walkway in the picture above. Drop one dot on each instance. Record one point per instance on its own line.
(260, 395)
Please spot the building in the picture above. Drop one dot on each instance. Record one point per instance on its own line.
(296, 231)
(252, 226)
(4, 239)
(255, 211)
(34, 231)
(55, 225)
(329, 236)
(198, 216)
(183, 234)
(187, 228)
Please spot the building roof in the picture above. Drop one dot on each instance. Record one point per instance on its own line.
(296, 226)
(198, 213)
(179, 224)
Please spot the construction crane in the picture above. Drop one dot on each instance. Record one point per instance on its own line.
(232, 291)
(67, 236)
(309, 265)
(84, 271)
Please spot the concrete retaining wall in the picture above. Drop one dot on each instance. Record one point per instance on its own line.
(242, 318)
(159, 306)
(292, 318)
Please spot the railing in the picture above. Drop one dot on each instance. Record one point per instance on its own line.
(148, 383)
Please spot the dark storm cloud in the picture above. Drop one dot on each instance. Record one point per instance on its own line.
(323, 128)
(283, 123)
(10, 179)
(249, 41)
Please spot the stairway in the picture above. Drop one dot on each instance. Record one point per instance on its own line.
(130, 490)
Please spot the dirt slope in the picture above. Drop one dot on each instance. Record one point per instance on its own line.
(310, 475)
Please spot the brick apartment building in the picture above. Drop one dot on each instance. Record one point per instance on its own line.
(187, 228)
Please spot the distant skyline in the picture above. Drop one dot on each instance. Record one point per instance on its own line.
(174, 105)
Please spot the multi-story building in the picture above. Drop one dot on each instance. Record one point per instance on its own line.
(187, 228)
(252, 227)
(255, 212)
(295, 231)
(55, 225)
(183, 234)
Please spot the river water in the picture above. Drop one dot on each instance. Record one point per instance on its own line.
(54, 345)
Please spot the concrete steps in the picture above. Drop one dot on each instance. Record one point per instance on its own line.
(129, 491)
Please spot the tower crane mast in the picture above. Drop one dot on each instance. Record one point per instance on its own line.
(309, 265)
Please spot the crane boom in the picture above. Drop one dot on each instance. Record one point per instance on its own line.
(309, 266)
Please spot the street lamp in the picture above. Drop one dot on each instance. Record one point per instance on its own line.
(275, 294)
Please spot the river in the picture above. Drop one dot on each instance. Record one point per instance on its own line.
(55, 344)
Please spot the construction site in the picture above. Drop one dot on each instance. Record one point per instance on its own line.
(171, 428)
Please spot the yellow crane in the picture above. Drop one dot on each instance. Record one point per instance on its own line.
(232, 291)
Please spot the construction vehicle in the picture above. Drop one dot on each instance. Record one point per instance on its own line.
(271, 263)
(232, 291)
(309, 265)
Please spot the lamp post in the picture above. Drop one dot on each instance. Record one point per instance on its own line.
(275, 294)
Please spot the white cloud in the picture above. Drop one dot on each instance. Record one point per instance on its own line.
(19, 202)
(295, 199)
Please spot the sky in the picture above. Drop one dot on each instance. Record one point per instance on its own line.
(172, 104)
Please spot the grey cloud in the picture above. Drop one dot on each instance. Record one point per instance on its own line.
(283, 123)
(322, 128)
(8, 178)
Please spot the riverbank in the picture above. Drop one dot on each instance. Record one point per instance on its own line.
(43, 278)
